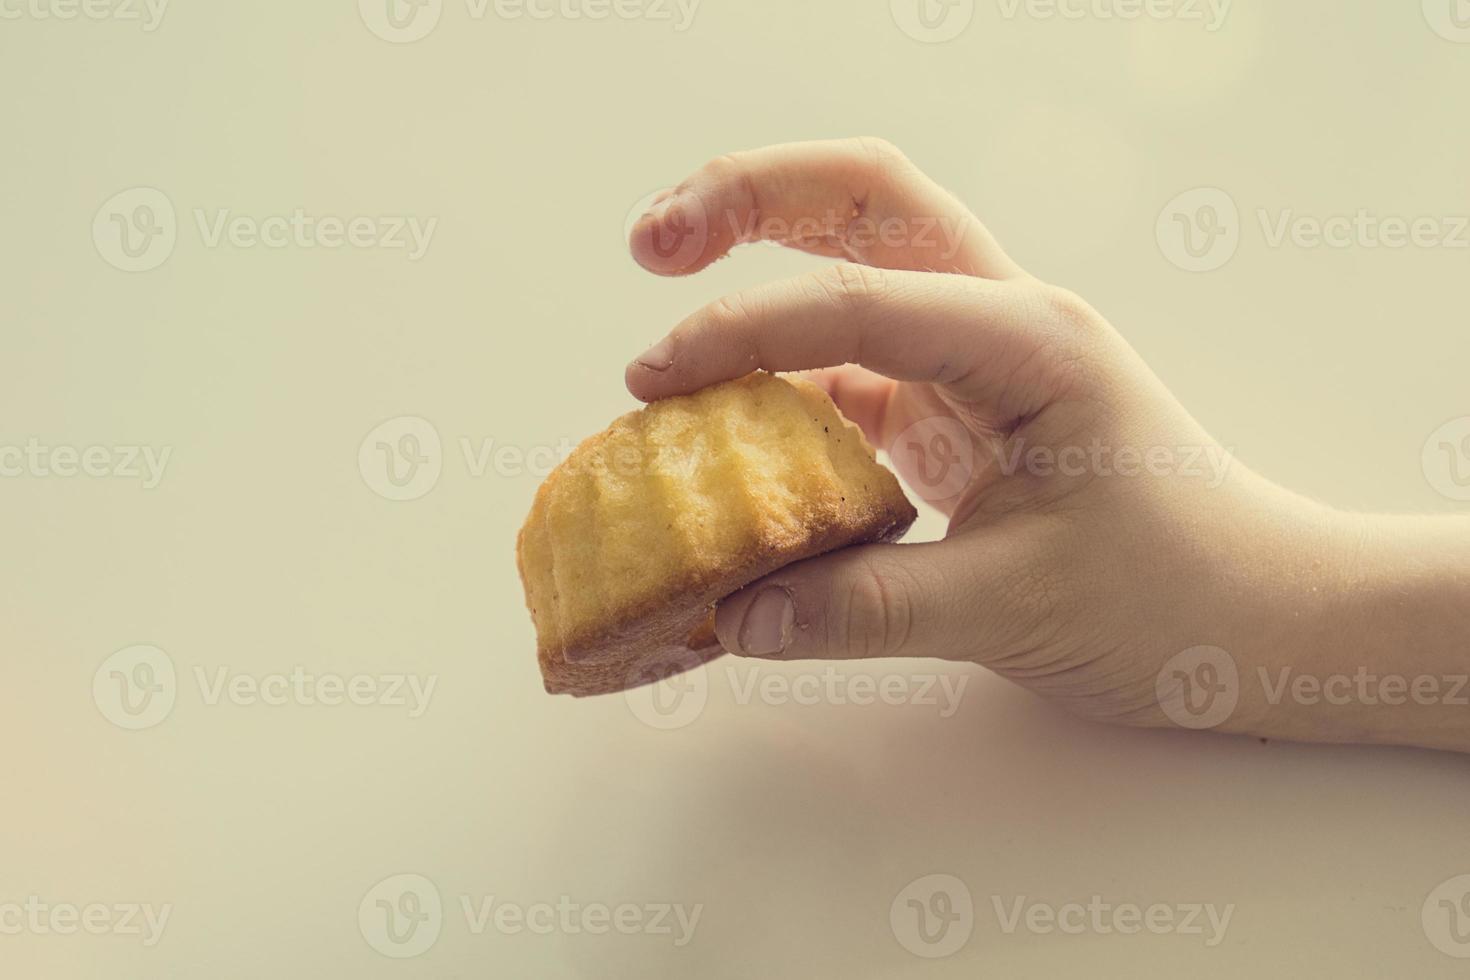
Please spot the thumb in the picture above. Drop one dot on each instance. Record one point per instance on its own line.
(913, 600)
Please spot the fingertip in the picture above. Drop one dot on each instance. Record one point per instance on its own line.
(639, 384)
(824, 378)
(643, 246)
(758, 621)
(647, 375)
(749, 624)
(728, 614)
(673, 236)
(860, 395)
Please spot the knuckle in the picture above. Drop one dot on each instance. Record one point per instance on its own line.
(870, 615)
(853, 286)
(730, 312)
(1068, 312)
(733, 172)
(881, 154)
(1039, 596)
(725, 165)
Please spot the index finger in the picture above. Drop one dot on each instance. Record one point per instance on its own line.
(858, 199)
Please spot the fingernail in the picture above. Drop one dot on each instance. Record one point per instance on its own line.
(659, 198)
(658, 357)
(766, 629)
(661, 205)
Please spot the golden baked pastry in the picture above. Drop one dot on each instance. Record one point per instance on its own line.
(645, 526)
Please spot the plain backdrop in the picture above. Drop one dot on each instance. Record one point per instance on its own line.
(796, 823)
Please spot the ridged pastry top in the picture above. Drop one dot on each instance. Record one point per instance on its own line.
(678, 496)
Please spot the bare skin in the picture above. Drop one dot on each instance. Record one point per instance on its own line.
(1098, 537)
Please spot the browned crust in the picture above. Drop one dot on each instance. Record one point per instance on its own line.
(650, 641)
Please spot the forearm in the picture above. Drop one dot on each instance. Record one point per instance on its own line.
(1383, 658)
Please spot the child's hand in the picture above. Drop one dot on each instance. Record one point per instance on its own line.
(1096, 531)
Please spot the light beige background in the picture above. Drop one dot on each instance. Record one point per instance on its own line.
(796, 826)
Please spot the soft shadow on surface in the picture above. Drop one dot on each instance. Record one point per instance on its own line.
(796, 826)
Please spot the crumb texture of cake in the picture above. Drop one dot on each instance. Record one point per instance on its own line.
(635, 536)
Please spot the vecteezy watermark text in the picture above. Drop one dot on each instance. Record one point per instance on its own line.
(939, 457)
(1211, 14)
(941, 237)
(1208, 463)
(403, 458)
(484, 913)
(137, 230)
(138, 687)
(1202, 687)
(1364, 687)
(35, 916)
(37, 460)
(1201, 230)
(407, 21)
(1099, 917)
(147, 13)
(1363, 229)
(403, 916)
(935, 915)
(682, 227)
(676, 701)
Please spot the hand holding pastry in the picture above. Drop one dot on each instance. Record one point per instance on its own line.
(1096, 531)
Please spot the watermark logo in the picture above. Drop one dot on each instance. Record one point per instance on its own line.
(937, 457)
(1450, 19)
(401, 916)
(932, 21)
(1199, 231)
(668, 697)
(642, 206)
(1446, 917)
(404, 458)
(401, 459)
(933, 916)
(401, 21)
(1446, 460)
(136, 687)
(667, 231)
(1198, 688)
(136, 230)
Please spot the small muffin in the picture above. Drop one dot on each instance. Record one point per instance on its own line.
(644, 527)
